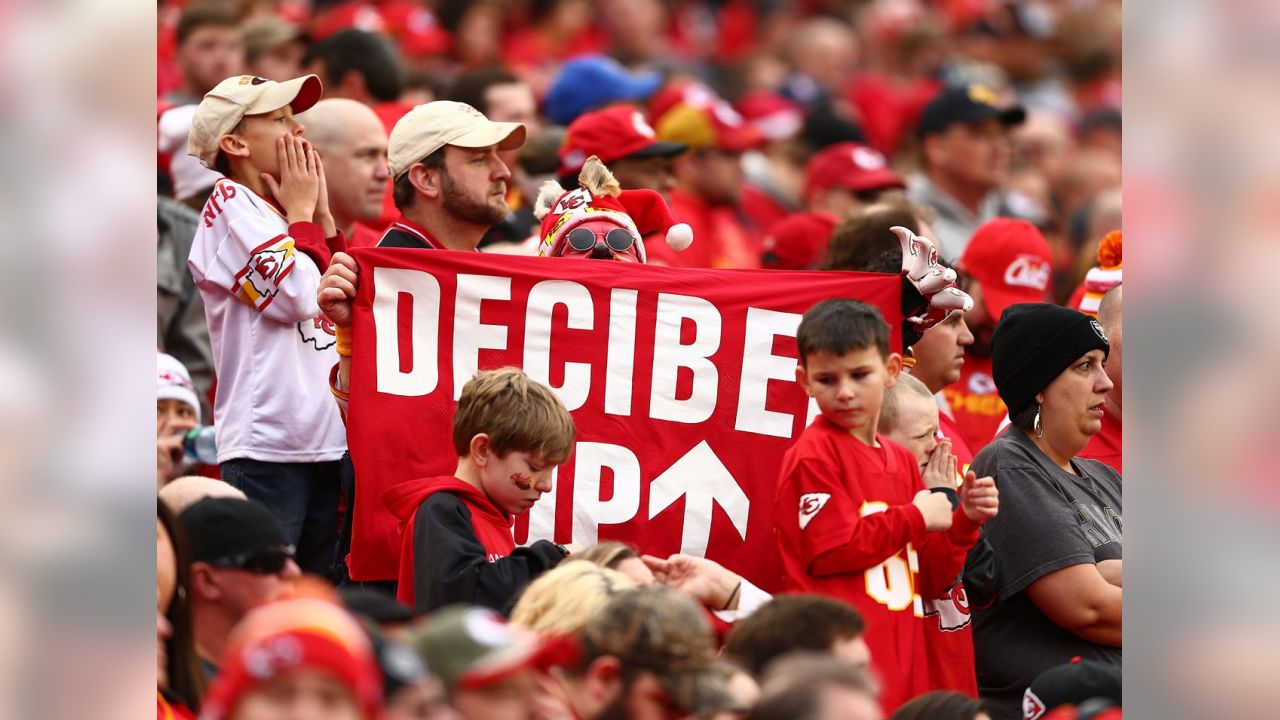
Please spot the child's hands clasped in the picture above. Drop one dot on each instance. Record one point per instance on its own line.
(298, 189)
(940, 471)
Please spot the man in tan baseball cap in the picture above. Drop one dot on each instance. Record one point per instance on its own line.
(449, 183)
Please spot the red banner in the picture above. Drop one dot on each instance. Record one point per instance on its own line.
(681, 384)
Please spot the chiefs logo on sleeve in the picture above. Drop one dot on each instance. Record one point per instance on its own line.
(810, 504)
(269, 263)
(952, 609)
(318, 331)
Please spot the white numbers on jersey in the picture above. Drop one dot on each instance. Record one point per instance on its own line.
(892, 583)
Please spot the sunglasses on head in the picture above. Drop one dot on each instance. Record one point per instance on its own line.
(259, 562)
(583, 239)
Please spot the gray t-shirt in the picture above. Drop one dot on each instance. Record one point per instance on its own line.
(1049, 519)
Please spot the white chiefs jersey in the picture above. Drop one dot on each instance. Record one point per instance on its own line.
(272, 348)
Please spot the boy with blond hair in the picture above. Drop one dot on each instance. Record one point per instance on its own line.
(854, 519)
(510, 433)
(910, 417)
(264, 235)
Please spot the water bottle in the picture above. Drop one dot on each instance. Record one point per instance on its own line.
(200, 445)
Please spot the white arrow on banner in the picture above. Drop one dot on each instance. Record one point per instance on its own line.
(704, 481)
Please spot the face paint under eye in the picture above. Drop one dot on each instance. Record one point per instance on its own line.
(524, 482)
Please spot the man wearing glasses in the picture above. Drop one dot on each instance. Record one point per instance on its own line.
(240, 559)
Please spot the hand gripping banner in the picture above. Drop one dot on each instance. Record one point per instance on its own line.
(681, 384)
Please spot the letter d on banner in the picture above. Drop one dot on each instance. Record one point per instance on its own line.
(391, 286)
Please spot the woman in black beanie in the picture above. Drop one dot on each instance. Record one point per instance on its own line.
(1057, 539)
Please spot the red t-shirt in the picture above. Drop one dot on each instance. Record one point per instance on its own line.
(846, 528)
(974, 402)
(1106, 445)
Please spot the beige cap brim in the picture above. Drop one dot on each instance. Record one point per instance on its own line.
(507, 136)
(299, 94)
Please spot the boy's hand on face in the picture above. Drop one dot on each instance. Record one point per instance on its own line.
(936, 509)
(323, 217)
(298, 189)
(338, 290)
(979, 498)
(940, 471)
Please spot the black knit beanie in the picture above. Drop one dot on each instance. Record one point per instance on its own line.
(1033, 343)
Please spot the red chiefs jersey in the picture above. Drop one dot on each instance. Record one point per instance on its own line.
(975, 404)
(846, 528)
(1107, 445)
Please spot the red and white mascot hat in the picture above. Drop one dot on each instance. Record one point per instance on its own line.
(600, 201)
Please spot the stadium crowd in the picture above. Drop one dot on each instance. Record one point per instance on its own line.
(980, 461)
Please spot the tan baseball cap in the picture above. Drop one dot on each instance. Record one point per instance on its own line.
(429, 127)
(229, 101)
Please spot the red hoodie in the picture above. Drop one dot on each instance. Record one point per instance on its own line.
(457, 547)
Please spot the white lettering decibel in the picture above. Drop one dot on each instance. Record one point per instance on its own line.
(469, 334)
(759, 366)
(543, 299)
(423, 290)
(669, 356)
(589, 510)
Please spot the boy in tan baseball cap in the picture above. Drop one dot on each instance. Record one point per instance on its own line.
(264, 237)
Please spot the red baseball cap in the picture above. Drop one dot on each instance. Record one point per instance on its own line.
(610, 134)
(852, 166)
(776, 117)
(1013, 262)
(798, 241)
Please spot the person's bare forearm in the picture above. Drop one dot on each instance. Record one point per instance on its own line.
(1111, 571)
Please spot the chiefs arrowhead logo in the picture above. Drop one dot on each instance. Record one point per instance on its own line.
(810, 504)
(1032, 706)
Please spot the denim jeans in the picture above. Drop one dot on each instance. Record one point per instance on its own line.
(303, 497)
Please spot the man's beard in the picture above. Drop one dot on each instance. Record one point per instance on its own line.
(465, 208)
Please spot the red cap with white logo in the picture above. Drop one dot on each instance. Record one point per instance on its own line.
(851, 166)
(1013, 262)
(616, 132)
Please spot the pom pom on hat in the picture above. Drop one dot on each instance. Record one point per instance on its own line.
(679, 236)
(651, 214)
(1108, 273)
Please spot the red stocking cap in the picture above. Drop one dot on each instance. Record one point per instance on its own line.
(651, 214)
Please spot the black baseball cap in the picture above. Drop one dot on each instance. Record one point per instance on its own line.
(219, 529)
(1071, 684)
(971, 103)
